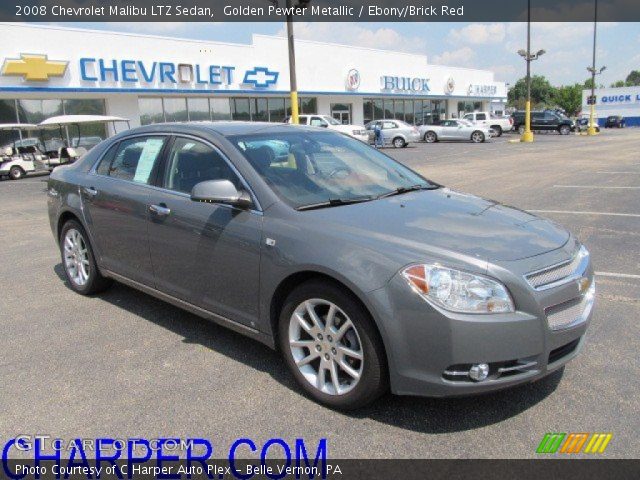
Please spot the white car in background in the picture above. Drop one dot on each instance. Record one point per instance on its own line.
(455, 130)
(327, 121)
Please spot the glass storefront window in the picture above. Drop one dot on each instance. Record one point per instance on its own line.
(150, 110)
(198, 109)
(86, 106)
(308, 105)
(378, 111)
(260, 112)
(408, 112)
(367, 110)
(388, 109)
(398, 112)
(175, 109)
(8, 114)
(241, 109)
(276, 110)
(35, 111)
(220, 109)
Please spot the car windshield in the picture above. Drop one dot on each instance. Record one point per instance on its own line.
(309, 169)
(465, 123)
(331, 120)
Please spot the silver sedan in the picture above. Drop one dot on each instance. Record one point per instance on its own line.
(455, 130)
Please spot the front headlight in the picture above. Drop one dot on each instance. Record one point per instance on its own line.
(458, 291)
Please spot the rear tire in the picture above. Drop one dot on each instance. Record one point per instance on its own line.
(430, 137)
(309, 350)
(521, 129)
(79, 262)
(399, 142)
(498, 130)
(16, 173)
(477, 137)
(564, 130)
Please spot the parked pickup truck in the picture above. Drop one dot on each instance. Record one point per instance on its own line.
(495, 123)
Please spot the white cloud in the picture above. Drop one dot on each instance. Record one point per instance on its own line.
(478, 34)
(356, 35)
(462, 57)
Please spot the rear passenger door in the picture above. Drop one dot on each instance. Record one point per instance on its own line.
(203, 253)
(115, 202)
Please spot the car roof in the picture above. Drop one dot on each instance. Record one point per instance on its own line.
(225, 128)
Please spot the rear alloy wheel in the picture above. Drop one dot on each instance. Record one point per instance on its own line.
(331, 346)
(16, 173)
(477, 137)
(79, 262)
(498, 130)
(430, 137)
(565, 130)
(399, 142)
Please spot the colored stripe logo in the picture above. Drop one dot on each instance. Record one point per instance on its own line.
(574, 443)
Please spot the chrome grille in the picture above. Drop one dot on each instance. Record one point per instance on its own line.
(556, 273)
(569, 313)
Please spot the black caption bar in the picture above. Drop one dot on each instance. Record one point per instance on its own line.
(317, 10)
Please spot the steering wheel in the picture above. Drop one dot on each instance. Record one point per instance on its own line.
(337, 170)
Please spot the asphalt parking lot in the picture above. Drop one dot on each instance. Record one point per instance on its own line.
(123, 364)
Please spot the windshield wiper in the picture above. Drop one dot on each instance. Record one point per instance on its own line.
(412, 188)
(334, 202)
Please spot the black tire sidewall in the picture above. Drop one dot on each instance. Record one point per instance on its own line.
(21, 173)
(373, 381)
(396, 144)
(93, 284)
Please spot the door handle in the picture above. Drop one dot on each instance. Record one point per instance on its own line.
(91, 191)
(160, 210)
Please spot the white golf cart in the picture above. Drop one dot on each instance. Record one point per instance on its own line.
(77, 146)
(25, 155)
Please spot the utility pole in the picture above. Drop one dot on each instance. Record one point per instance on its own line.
(592, 69)
(293, 84)
(527, 136)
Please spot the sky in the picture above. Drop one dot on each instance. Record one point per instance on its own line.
(491, 46)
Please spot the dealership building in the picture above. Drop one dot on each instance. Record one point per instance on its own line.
(48, 70)
(623, 101)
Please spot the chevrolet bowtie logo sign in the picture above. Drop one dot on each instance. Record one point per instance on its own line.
(34, 67)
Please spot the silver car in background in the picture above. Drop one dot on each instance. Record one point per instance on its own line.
(396, 132)
(455, 130)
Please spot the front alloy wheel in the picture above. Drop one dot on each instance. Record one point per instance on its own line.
(399, 142)
(332, 346)
(430, 137)
(326, 346)
(477, 137)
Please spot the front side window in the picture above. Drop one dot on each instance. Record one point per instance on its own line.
(134, 159)
(306, 168)
(480, 116)
(191, 162)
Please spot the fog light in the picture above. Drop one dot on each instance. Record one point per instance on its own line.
(478, 372)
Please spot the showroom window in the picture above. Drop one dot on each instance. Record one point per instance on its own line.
(175, 109)
(468, 107)
(37, 110)
(416, 112)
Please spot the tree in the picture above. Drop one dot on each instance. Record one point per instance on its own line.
(618, 84)
(633, 79)
(569, 98)
(541, 92)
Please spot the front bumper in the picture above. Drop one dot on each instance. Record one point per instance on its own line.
(425, 344)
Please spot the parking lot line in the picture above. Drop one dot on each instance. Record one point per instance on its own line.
(617, 275)
(625, 173)
(595, 186)
(573, 212)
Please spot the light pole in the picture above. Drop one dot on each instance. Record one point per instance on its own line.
(527, 136)
(592, 69)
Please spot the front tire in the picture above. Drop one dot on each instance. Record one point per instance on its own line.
(477, 137)
(399, 142)
(430, 137)
(79, 262)
(16, 173)
(521, 129)
(332, 346)
(564, 130)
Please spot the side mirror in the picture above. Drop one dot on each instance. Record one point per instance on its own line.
(220, 191)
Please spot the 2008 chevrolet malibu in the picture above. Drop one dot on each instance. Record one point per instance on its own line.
(364, 274)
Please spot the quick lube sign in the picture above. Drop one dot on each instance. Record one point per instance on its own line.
(624, 98)
(182, 75)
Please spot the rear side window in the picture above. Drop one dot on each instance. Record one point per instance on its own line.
(134, 159)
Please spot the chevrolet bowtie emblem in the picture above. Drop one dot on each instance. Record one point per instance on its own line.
(34, 67)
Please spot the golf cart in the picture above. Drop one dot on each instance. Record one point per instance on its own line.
(77, 146)
(24, 155)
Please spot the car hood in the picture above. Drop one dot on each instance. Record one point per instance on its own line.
(445, 220)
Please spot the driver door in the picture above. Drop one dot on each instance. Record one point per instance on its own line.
(203, 253)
